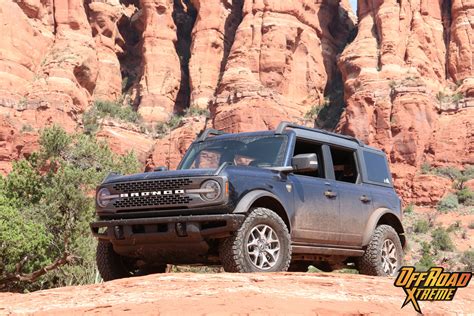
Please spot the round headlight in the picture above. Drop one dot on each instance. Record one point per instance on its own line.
(103, 197)
(213, 190)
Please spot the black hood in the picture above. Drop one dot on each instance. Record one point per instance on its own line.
(159, 175)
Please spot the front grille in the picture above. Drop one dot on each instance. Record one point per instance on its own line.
(156, 200)
(152, 185)
(161, 199)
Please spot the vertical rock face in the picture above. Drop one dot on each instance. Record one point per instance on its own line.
(407, 77)
(404, 69)
(48, 68)
(212, 37)
(68, 71)
(279, 65)
(461, 45)
(103, 18)
(160, 79)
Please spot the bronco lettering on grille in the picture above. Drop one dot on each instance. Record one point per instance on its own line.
(166, 192)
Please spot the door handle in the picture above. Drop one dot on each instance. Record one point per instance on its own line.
(330, 194)
(365, 199)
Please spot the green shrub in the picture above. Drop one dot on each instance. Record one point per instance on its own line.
(26, 128)
(313, 112)
(409, 209)
(163, 128)
(442, 240)
(448, 172)
(313, 269)
(468, 259)
(459, 177)
(53, 142)
(46, 206)
(454, 227)
(22, 236)
(195, 111)
(117, 110)
(421, 226)
(175, 121)
(471, 225)
(465, 196)
(425, 168)
(443, 97)
(450, 202)
(102, 109)
(426, 261)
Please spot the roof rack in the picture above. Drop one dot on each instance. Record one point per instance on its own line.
(283, 125)
(205, 134)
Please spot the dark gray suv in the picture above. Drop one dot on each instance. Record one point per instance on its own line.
(255, 202)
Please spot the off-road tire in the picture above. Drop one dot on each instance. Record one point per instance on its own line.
(371, 262)
(232, 250)
(111, 265)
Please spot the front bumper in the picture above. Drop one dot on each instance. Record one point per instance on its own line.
(166, 229)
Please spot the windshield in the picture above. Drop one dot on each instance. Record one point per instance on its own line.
(257, 151)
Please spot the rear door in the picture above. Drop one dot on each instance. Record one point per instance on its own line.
(355, 198)
(316, 200)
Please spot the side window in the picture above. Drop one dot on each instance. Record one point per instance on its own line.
(307, 147)
(344, 163)
(376, 166)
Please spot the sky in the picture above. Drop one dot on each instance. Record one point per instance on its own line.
(354, 5)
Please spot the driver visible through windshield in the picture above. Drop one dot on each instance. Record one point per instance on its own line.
(257, 151)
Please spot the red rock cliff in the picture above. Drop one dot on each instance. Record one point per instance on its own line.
(399, 76)
(408, 81)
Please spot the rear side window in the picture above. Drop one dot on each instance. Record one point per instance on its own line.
(377, 170)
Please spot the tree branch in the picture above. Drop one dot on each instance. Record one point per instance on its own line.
(66, 258)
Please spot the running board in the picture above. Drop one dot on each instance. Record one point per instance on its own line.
(327, 251)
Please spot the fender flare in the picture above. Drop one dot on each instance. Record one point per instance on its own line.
(372, 224)
(249, 199)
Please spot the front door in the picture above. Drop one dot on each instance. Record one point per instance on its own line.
(317, 210)
(316, 201)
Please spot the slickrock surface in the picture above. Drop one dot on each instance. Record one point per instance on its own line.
(222, 293)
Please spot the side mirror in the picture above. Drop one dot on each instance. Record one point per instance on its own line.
(305, 162)
(160, 168)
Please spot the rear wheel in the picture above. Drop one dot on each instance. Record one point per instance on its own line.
(384, 254)
(113, 266)
(262, 244)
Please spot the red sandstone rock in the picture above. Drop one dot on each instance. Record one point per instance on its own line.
(399, 76)
(232, 293)
(104, 17)
(408, 74)
(14, 144)
(281, 60)
(161, 70)
(123, 138)
(430, 189)
(470, 184)
(212, 38)
(169, 150)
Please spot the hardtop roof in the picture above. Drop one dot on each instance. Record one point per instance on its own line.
(299, 131)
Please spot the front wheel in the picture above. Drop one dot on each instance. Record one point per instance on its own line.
(262, 244)
(384, 254)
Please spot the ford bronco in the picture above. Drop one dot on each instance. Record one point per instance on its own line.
(255, 202)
